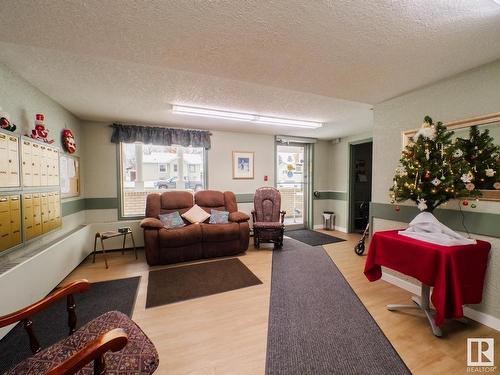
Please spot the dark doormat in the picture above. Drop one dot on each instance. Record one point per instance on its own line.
(197, 280)
(51, 325)
(312, 237)
(317, 324)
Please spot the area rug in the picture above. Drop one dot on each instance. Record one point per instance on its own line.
(317, 324)
(312, 237)
(51, 325)
(197, 280)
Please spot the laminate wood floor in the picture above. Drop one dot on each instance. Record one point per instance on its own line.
(227, 333)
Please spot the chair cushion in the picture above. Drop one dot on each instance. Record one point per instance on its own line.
(172, 220)
(176, 237)
(196, 215)
(139, 356)
(219, 217)
(268, 225)
(220, 232)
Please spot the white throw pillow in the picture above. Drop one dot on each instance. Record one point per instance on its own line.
(196, 215)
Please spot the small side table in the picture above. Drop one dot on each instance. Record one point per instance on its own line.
(111, 234)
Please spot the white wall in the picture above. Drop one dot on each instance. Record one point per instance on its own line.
(22, 101)
(33, 279)
(332, 174)
(99, 169)
(470, 94)
(220, 175)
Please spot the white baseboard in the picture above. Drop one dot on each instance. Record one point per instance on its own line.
(340, 229)
(469, 312)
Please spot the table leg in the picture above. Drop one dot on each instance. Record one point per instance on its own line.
(104, 253)
(423, 304)
(95, 245)
(123, 246)
(133, 244)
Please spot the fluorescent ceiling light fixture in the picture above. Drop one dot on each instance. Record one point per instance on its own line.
(258, 119)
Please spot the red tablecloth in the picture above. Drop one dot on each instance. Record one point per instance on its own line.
(455, 272)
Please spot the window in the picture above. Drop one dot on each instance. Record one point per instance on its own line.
(148, 168)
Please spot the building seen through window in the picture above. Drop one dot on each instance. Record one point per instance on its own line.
(148, 168)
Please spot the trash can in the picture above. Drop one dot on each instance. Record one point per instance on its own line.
(328, 220)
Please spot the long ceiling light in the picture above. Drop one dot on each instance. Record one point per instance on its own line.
(258, 119)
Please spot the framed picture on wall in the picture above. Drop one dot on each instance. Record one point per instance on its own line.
(243, 165)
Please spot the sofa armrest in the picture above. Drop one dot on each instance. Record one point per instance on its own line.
(238, 217)
(151, 222)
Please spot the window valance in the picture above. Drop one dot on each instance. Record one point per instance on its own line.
(160, 136)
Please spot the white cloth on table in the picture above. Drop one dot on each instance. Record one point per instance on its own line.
(425, 227)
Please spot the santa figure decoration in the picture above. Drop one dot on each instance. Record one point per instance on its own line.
(68, 141)
(5, 123)
(40, 133)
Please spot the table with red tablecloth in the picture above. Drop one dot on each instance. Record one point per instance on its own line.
(456, 272)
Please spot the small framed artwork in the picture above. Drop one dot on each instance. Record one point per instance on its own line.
(243, 166)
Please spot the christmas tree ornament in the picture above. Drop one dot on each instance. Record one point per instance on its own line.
(39, 132)
(427, 154)
(473, 205)
(5, 122)
(436, 182)
(427, 130)
(68, 141)
(427, 175)
(467, 177)
(458, 153)
(465, 202)
(401, 171)
(422, 205)
(489, 172)
(397, 208)
(470, 186)
(496, 185)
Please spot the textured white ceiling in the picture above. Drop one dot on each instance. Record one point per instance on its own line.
(128, 59)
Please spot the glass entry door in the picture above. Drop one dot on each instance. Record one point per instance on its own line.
(291, 181)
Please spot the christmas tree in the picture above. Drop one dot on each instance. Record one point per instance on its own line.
(483, 157)
(432, 169)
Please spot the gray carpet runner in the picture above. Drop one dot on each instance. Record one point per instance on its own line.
(317, 324)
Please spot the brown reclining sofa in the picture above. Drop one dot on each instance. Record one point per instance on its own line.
(193, 241)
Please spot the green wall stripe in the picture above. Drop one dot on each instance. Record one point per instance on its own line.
(337, 195)
(74, 206)
(244, 198)
(100, 203)
(482, 223)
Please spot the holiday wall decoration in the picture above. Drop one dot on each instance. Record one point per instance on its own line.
(40, 133)
(5, 122)
(68, 141)
(483, 156)
(433, 169)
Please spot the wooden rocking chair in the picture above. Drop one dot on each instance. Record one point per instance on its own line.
(105, 341)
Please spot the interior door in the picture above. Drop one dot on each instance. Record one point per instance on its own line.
(292, 180)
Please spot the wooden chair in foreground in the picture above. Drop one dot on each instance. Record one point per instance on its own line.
(111, 342)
